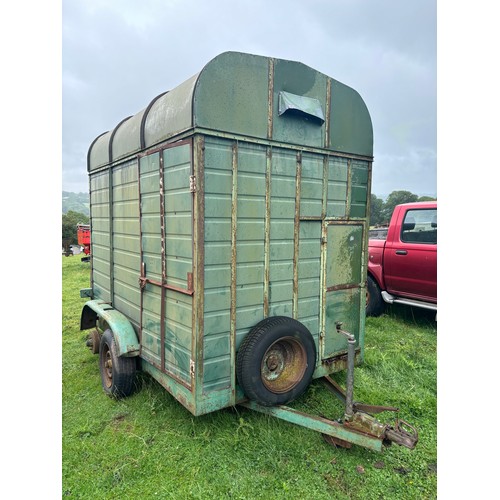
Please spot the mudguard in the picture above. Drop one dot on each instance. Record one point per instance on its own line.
(104, 316)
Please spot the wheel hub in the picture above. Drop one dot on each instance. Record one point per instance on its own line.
(108, 368)
(283, 365)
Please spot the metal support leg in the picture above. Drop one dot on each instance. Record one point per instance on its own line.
(351, 346)
(351, 352)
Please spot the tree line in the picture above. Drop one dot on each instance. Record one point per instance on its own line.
(380, 213)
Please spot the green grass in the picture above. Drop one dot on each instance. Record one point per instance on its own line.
(149, 446)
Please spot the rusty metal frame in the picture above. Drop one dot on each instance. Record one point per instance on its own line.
(270, 98)
(141, 252)
(91, 240)
(277, 144)
(111, 253)
(234, 222)
(267, 231)
(326, 167)
(198, 148)
(298, 182)
(319, 424)
(163, 262)
(342, 287)
(184, 291)
(327, 111)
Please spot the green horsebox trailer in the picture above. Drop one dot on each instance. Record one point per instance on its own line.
(229, 229)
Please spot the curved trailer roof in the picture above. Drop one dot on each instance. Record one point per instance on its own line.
(247, 95)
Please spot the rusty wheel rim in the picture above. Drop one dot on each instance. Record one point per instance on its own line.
(108, 367)
(283, 365)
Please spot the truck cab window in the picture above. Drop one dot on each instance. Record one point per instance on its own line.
(420, 226)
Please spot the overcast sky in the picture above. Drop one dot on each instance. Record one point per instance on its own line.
(120, 54)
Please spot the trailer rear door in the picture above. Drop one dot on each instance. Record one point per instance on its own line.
(342, 294)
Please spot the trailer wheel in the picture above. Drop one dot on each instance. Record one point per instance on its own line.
(94, 341)
(117, 373)
(375, 304)
(276, 361)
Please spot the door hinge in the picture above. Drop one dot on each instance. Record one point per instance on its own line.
(192, 183)
(192, 367)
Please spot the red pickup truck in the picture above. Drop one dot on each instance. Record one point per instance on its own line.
(403, 267)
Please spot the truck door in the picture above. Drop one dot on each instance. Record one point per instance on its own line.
(342, 286)
(410, 259)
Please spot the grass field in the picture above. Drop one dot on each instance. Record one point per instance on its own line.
(149, 446)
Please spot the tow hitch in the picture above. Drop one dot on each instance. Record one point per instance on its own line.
(358, 425)
(358, 416)
(361, 420)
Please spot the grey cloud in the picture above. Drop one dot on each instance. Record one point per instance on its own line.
(118, 55)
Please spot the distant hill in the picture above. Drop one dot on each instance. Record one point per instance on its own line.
(78, 202)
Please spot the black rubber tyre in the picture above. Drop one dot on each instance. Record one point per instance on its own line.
(276, 361)
(117, 373)
(375, 304)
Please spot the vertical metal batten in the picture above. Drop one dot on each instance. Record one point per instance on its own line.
(163, 263)
(199, 264)
(141, 252)
(267, 222)
(322, 279)
(270, 99)
(322, 260)
(91, 239)
(326, 162)
(267, 231)
(234, 221)
(327, 111)
(351, 352)
(295, 300)
(111, 258)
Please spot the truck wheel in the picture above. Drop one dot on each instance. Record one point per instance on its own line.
(375, 304)
(276, 361)
(117, 373)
